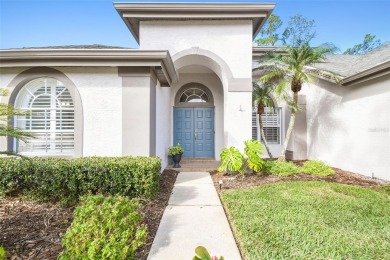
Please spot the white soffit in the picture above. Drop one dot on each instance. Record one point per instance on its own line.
(133, 13)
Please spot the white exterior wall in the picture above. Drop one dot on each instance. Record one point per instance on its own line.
(231, 42)
(100, 90)
(163, 124)
(101, 95)
(349, 127)
(238, 107)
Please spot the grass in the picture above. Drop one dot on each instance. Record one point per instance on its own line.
(310, 220)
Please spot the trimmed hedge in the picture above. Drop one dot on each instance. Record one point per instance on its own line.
(54, 179)
(104, 228)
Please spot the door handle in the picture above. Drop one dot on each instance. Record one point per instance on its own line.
(196, 134)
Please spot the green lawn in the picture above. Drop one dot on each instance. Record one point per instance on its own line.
(310, 220)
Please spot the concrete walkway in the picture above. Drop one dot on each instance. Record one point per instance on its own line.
(194, 216)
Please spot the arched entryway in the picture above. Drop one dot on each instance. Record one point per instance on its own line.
(193, 120)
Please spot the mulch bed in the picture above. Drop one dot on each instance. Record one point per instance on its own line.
(31, 230)
(236, 181)
(154, 209)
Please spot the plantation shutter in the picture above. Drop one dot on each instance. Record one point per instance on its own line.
(271, 124)
(50, 117)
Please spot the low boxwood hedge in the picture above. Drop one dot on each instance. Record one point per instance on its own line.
(54, 179)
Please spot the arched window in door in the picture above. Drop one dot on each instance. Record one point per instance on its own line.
(194, 95)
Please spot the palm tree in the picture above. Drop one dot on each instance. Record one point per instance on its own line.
(7, 130)
(291, 68)
(262, 97)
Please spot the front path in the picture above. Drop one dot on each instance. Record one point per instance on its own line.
(194, 216)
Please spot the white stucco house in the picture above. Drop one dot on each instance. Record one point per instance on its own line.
(190, 82)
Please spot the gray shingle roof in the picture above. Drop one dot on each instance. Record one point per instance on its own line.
(348, 65)
(92, 46)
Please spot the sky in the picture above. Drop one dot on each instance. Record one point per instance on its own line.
(38, 23)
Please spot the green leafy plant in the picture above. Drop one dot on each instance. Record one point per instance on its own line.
(202, 254)
(7, 130)
(231, 160)
(104, 228)
(317, 168)
(176, 149)
(3, 253)
(280, 168)
(65, 180)
(254, 150)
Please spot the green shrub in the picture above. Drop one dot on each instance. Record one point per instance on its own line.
(104, 228)
(54, 179)
(176, 149)
(12, 174)
(231, 159)
(280, 168)
(317, 168)
(254, 150)
(3, 253)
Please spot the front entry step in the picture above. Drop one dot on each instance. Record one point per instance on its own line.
(197, 165)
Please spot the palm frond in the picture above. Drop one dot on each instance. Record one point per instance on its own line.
(20, 134)
(262, 94)
(4, 92)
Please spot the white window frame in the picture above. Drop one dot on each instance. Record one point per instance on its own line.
(269, 120)
(25, 101)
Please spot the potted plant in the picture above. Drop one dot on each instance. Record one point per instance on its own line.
(176, 152)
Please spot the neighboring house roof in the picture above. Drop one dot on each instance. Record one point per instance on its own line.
(352, 69)
(133, 13)
(92, 46)
(159, 61)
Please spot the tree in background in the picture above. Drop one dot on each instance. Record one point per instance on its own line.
(368, 44)
(291, 69)
(298, 31)
(268, 31)
(7, 130)
(262, 97)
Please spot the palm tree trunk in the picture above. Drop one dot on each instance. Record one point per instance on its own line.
(263, 137)
(290, 129)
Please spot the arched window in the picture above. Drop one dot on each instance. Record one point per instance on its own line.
(194, 95)
(50, 117)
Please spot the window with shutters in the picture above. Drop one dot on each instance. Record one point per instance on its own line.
(271, 124)
(50, 117)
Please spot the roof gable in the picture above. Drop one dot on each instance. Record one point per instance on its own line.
(133, 13)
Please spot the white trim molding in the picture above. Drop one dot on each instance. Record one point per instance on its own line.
(133, 13)
(159, 61)
(371, 73)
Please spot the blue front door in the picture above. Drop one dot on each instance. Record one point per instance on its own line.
(194, 131)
